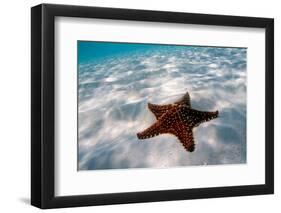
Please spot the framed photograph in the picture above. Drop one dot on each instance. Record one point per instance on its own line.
(139, 106)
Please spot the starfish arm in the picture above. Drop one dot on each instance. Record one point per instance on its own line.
(205, 116)
(154, 130)
(159, 110)
(185, 136)
(161, 126)
(184, 100)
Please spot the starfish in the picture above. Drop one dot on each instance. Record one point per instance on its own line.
(177, 119)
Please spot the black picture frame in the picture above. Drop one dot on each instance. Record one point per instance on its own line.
(43, 102)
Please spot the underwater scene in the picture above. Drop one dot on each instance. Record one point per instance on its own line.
(160, 106)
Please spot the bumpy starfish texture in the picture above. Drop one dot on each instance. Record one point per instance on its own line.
(178, 119)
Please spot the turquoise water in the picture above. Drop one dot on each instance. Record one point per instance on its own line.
(89, 51)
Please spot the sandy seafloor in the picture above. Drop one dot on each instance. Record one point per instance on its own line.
(113, 96)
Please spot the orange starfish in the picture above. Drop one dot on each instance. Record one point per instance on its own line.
(178, 119)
